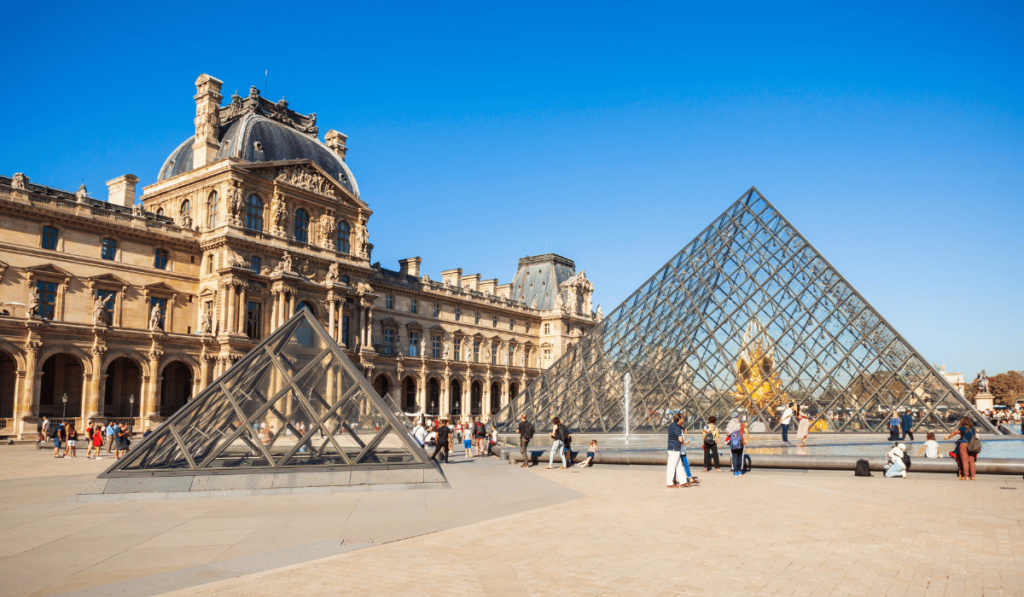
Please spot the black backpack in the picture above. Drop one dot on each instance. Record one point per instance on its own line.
(863, 469)
(481, 430)
(709, 439)
(529, 431)
(906, 460)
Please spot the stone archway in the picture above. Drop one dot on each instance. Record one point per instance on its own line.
(409, 395)
(513, 391)
(476, 398)
(124, 381)
(176, 387)
(433, 397)
(455, 398)
(495, 397)
(8, 385)
(382, 385)
(62, 375)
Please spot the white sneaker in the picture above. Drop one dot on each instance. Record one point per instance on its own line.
(903, 474)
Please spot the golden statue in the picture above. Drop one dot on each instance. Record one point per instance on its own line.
(756, 368)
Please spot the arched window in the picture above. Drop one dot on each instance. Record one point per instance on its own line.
(301, 225)
(160, 211)
(186, 208)
(254, 213)
(211, 211)
(341, 237)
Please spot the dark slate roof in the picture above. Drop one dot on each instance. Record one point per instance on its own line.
(538, 278)
(255, 138)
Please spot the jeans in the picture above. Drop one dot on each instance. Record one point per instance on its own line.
(674, 469)
(556, 446)
(709, 453)
(785, 432)
(896, 470)
(523, 442)
(686, 464)
(737, 460)
(439, 447)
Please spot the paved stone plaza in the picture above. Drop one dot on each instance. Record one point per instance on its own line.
(504, 530)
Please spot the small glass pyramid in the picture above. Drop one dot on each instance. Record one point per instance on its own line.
(295, 401)
(747, 318)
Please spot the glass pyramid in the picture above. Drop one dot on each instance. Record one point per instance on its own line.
(295, 401)
(747, 317)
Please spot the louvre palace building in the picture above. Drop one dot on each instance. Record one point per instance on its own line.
(127, 307)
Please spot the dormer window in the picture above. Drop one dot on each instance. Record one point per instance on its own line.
(301, 225)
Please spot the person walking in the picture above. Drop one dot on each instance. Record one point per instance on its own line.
(674, 470)
(526, 431)
(907, 426)
(110, 435)
(442, 441)
(711, 438)
(44, 430)
(787, 418)
(419, 433)
(480, 437)
(59, 436)
(967, 432)
(803, 425)
(70, 449)
(557, 444)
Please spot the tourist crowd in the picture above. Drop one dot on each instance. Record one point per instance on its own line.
(65, 438)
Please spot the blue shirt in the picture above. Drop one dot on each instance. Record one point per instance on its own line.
(907, 420)
(674, 431)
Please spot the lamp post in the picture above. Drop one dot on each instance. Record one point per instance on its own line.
(131, 410)
(64, 399)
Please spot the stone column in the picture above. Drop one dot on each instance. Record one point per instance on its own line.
(273, 311)
(229, 296)
(330, 317)
(242, 308)
(91, 400)
(204, 371)
(27, 409)
(362, 327)
(149, 407)
(291, 306)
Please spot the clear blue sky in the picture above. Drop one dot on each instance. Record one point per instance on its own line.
(890, 134)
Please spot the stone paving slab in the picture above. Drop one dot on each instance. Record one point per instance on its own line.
(778, 533)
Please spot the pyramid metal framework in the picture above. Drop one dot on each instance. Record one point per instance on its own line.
(746, 318)
(294, 402)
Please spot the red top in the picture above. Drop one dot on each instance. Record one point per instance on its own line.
(97, 438)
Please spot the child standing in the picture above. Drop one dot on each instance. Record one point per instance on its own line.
(591, 452)
(467, 443)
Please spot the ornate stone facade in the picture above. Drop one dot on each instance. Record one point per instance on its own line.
(130, 308)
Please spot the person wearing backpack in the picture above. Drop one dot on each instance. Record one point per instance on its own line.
(736, 440)
(967, 448)
(557, 445)
(480, 437)
(526, 431)
(711, 444)
(896, 466)
(59, 435)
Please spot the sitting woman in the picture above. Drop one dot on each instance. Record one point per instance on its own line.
(591, 452)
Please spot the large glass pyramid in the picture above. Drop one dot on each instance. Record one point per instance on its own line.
(294, 402)
(747, 317)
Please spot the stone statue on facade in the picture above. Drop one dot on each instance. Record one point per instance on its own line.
(326, 229)
(286, 262)
(98, 308)
(522, 358)
(138, 211)
(533, 305)
(332, 274)
(234, 202)
(600, 314)
(278, 215)
(154, 318)
(426, 279)
(204, 323)
(447, 350)
(360, 240)
(559, 302)
(19, 180)
(423, 346)
(33, 303)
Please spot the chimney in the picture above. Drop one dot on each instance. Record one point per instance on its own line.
(204, 149)
(122, 190)
(471, 282)
(410, 266)
(452, 277)
(336, 141)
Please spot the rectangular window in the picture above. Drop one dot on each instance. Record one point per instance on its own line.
(527, 327)
(414, 344)
(412, 306)
(547, 356)
(458, 313)
(160, 258)
(162, 304)
(476, 352)
(49, 240)
(511, 355)
(494, 321)
(547, 328)
(47, 299)
(389, 301)
(436, 347)
(494, 353)
(209, 264)
(255, 264)
(109, 298)
(253, 320)
(109, 249)
(511, 325)
(458, 350)
(476, 318)
(344, 330)
(211, 210)
(389, 341)
(344, 279)
(437, 309)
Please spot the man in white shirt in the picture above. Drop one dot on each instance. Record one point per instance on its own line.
(787, 416)
(419, 434)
